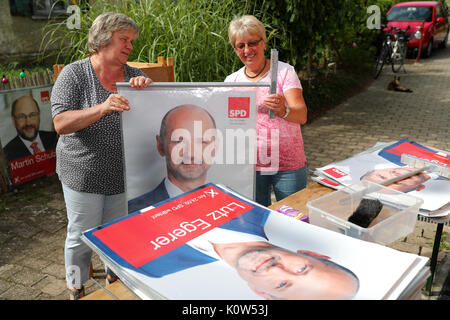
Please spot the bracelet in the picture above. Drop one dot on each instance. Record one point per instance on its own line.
(287, 113)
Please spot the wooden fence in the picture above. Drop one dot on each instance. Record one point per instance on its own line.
(35, 79)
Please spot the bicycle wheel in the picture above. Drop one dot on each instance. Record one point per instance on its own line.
(381, 59)
(398, 57)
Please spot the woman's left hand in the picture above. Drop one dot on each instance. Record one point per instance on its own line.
(140, 82)
(276, 103)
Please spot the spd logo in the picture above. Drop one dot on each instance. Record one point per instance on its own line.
(45, 96)
(238, 107)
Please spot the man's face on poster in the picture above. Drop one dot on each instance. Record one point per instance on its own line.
(414, 182)
(275, 273)
(189, 144)
(26, 118)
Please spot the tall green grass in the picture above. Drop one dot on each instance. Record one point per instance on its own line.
(193, 32)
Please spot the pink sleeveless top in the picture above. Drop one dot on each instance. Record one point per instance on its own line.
(276, 136)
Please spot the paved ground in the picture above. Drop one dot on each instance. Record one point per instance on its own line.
(381, 115)
(33, 219)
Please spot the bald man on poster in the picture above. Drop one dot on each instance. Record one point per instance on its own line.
(187, 141)
(245, 245)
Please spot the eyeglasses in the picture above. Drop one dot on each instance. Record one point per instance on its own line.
(251, 44)
(23, 116)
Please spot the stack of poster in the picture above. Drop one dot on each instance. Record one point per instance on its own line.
(383, 161)
(213, 244)
(179, 138)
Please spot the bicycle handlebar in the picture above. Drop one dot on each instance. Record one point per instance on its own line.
(398, 32)
(384, 26)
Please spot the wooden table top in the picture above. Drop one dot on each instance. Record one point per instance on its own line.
(299, 199)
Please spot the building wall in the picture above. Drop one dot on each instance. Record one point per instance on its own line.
(20, 37)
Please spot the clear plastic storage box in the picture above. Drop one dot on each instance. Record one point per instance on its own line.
(396, 219)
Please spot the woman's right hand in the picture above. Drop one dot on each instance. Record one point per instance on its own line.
(74, 120)
(115, 102)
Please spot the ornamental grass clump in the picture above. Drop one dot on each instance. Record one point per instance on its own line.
(193, 32)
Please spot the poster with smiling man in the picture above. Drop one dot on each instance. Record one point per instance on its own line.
(26, 133)
(177, 139)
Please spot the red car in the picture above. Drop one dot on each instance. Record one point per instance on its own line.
(434, 16)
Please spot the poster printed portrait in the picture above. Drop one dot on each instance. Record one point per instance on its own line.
(194, 247)
(27, 135)
(178, 139)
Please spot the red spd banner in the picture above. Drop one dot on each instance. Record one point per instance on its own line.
(238, 107)
(154, 232)
(34, 166)
(411, 149)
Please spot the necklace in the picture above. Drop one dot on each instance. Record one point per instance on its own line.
(252, 77)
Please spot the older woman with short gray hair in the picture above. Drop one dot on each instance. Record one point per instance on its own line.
(86, 113)
(104, 26)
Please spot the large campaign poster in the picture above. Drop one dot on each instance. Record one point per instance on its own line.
(211, 243)
(27, 135)
(383, 162)
(189, 135)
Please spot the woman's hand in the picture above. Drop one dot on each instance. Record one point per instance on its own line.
(292, 98)
(115, 102)
(74, 120)
(140, 82)
(277, 103)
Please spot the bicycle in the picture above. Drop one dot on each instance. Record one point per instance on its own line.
(393, 51)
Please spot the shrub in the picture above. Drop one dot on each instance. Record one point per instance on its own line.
(193, 32)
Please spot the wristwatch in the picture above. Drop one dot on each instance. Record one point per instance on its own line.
(287, 113)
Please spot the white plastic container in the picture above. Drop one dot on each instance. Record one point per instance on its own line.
(396, 219)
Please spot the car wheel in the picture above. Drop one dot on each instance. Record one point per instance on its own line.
(443, 44)
(428, 49)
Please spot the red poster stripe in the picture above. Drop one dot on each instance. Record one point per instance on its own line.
(152, 233)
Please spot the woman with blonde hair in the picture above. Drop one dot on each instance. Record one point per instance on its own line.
(279, 137)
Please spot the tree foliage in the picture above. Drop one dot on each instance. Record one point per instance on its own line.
(307, 33)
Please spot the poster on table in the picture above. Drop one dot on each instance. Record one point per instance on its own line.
(220, 150)
(383, 162)
(214, 244)
(27, 135)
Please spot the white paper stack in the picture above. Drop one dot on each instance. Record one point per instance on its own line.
(128, 247)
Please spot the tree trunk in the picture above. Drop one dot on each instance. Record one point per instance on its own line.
(336, 50)
(309, 60)
(3, 174)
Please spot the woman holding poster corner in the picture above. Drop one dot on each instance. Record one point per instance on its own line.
(86, 113)
(281, 161)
